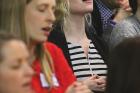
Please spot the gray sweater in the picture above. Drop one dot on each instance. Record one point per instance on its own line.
(129, 27)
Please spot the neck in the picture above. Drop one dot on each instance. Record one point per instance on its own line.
(32, 47)
(74, 27)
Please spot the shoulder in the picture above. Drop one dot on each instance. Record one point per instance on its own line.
(127, 27)
(127, 23)
(124, 29)
(52, 48)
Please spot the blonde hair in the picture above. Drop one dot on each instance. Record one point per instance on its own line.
(12, 19)
(62, 10)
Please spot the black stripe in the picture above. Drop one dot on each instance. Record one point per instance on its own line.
(80, 52)
(93, 52)
(97, 64)
(78, 58)
(74, 47)
(87, 75)
(79, 64)
(95, 58)
(68, 43)
(86, 63)
(92, 47)
(94, 69)
(77, 70)
(102, 74)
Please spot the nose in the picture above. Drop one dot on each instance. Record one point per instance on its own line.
(29, 71)
(50, 16)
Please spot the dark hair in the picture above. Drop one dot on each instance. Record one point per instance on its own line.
(96, 19)
(124, 67)
(4, 38)
(134, 5)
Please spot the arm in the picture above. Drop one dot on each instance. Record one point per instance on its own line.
(121, 31)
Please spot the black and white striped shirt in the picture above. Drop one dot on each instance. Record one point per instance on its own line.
(83, 66)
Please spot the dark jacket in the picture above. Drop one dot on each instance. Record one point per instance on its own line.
(57, 37)
(96, 19)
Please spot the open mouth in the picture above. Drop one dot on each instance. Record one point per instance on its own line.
(87, 0)
(46, 29)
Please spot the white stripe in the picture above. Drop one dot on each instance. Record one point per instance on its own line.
(79, 61)
(75, 50)
(87, 66)
(93, 50)
(82, 73)
(77, 56)
(92, 45)
(89, 72)
(96, 61)
(94, 56)
(80, 67)
(99, 66)
(99, 71)
(71, 45)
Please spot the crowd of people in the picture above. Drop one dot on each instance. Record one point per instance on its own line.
(69, 46)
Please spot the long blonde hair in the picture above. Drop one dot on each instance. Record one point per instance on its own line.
(12, 19)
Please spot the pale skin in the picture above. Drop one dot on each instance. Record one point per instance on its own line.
(39, 18)
(15, 70)
(74, 30)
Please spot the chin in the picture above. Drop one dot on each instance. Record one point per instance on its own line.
(40, 40)
(89, 10)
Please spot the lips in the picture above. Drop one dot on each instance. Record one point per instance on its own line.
(84, 0)
(27, 84)
(47, 30)
(87, 1)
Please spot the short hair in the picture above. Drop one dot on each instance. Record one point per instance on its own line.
(5, 38)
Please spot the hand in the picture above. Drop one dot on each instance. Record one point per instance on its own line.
(102, 83)
(96, 83)
(78, 87)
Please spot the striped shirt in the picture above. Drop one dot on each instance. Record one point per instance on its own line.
(83, 66)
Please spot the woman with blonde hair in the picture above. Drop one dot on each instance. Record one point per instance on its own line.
(83, 49)
(32, 20)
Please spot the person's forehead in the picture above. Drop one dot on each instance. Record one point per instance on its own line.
(40, 2)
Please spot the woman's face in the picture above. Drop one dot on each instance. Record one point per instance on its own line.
(81, 6)
(39, 18)
(15, 71)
